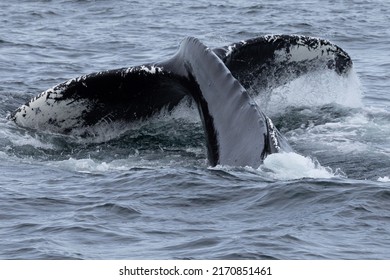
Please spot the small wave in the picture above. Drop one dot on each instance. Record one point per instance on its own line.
(89, 165)
(113, 208)
(342, 137)
(11, 135)
(291, 166)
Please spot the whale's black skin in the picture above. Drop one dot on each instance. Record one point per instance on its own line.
(238, 133)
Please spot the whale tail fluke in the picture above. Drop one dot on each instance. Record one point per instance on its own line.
(238, 133)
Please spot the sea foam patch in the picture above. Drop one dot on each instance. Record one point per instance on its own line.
(291, 166)
(384, 179)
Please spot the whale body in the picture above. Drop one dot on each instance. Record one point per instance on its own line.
(237, 132)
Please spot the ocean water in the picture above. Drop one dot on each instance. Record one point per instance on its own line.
(149, 193)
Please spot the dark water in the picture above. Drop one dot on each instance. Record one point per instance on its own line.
(149, 194)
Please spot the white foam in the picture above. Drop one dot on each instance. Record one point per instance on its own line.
(384, 179)
(291, 166)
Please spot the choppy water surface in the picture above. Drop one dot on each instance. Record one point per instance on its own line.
(149, 194)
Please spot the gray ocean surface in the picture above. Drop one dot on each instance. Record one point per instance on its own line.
(150, 193)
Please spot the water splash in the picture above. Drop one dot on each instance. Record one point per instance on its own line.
(384, 179)
(291, 166)
(313, 89)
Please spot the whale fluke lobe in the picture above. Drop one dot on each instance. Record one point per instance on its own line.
(126, 94)
(237, 131)
(274, 60)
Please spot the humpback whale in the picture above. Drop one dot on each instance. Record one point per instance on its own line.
(238, 133)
